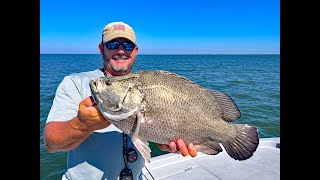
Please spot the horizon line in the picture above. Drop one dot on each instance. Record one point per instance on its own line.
(165, 54)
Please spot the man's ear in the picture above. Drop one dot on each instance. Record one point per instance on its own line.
(136, 49)
(100, 46)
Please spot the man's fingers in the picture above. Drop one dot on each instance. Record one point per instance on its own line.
(87, 102)
(163, 147)
(88, 105)
(182, 147)
(192, 150)
(179, 147)
(173, 147)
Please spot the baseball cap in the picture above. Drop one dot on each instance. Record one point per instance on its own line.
(116, 30)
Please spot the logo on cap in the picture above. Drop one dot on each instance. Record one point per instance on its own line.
(118, 27)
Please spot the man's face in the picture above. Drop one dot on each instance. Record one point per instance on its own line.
(118, 61)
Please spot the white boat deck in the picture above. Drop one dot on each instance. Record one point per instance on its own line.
(264, 164)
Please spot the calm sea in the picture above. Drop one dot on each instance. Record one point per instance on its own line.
(251, 80)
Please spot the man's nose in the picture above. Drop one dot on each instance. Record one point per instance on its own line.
(121, 49)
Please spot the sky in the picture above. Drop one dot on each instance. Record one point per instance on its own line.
(163, 26)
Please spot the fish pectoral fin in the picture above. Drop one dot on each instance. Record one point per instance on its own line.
(142, 119)
(210, 147)
(143, 148)
(230, 111)
(141, 145)
(136, 129)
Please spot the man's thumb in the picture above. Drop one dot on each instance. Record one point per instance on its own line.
(87, 102)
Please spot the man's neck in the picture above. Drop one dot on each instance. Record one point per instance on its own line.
(110, 73)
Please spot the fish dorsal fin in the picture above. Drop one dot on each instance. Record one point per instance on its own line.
(187, 81)
(230, 111)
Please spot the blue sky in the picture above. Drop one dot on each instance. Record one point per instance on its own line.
(164, 26)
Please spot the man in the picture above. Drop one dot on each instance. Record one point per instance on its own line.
(74, 124)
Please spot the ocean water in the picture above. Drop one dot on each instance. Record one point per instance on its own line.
(251, 80)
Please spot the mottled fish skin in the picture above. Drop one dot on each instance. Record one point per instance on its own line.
(172, 107)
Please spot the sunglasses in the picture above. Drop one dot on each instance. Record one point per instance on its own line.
(127, 45)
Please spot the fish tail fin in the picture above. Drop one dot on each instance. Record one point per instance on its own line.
(244, 144)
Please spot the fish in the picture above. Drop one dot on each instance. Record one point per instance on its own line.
(161, 106)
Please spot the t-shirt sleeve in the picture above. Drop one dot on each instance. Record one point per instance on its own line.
(66, 101)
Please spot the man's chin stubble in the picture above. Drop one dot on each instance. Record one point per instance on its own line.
(121, 70)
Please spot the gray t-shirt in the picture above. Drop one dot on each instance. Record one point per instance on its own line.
(100, 155)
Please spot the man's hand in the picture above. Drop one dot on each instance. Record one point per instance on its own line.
(179, 147)
(90, 116)
(66, 135)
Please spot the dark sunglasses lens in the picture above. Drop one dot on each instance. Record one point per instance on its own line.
(112, 45)
(129, 46)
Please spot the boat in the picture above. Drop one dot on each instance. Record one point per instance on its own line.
(264, 164)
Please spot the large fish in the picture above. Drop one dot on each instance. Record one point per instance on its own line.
(160, 106)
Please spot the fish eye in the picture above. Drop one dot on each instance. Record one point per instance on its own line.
(108, 82)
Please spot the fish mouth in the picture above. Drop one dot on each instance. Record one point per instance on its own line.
(93, 88)
(112, 113)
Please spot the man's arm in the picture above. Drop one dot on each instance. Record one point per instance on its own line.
(67, 135)
(64, 136)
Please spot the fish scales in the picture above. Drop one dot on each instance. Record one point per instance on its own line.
(160, 106)
(178, 97)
